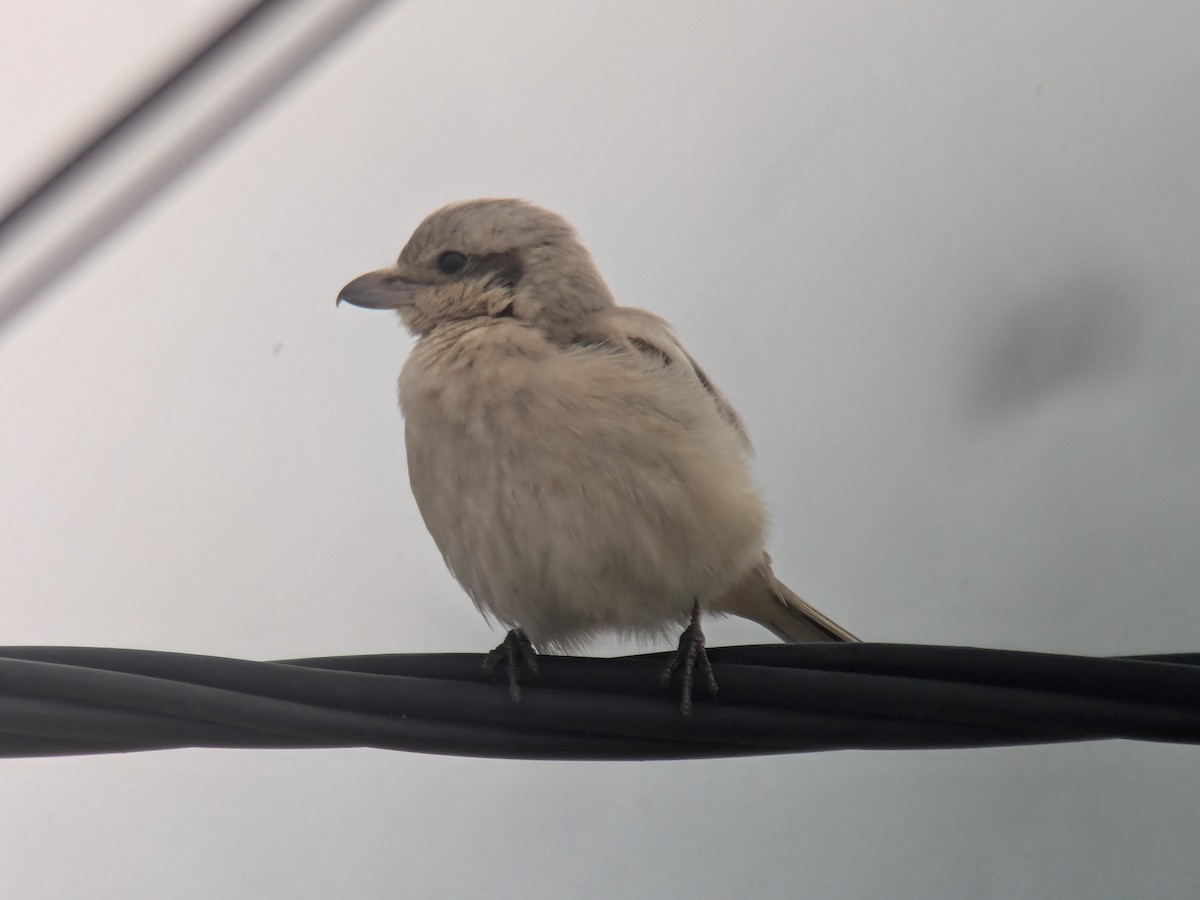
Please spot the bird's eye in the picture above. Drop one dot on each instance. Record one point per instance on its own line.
(451, 262)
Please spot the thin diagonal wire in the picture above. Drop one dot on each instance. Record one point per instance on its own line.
(156, 95)
(95, 227)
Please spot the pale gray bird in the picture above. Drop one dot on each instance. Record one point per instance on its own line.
(578, 470)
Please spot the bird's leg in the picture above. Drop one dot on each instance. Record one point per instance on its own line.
(691, 656)
(514, 649)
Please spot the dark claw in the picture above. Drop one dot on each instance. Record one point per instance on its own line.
(690, 656)
(513, 650)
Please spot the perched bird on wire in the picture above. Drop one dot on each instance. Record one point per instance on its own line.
(577, 469)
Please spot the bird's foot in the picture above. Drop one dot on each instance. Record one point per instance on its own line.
(691, 656)
(513, 650)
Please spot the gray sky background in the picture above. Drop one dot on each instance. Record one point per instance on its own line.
(943, 258)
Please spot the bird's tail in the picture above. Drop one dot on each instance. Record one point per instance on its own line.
(763, 598)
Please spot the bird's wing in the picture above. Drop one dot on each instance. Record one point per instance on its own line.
(651, 336)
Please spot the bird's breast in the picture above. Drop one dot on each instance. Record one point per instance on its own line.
(570, 491)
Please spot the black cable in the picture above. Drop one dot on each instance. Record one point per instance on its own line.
(773, 699)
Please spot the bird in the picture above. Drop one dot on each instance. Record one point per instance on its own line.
(578, 470)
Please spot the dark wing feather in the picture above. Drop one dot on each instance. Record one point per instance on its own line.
(651, 336)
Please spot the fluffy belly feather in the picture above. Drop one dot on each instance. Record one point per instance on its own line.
(595, 502)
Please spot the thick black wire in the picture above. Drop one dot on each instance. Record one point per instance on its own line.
(773, 699)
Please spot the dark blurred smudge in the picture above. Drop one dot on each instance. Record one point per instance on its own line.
(1084, 332)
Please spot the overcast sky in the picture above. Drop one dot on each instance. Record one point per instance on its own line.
(943, 258)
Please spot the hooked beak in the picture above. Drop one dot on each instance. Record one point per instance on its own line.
(381, 289)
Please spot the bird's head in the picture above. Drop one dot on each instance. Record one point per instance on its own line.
(486, 258)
